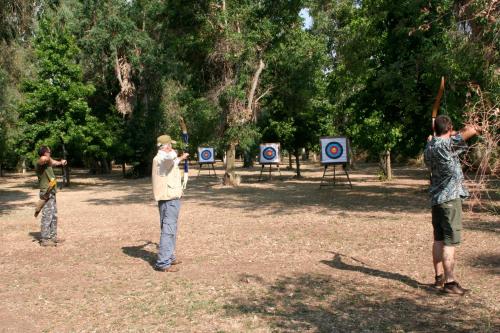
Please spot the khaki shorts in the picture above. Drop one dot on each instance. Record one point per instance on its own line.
(447, 222)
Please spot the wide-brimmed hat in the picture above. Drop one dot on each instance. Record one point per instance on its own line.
(164, 139)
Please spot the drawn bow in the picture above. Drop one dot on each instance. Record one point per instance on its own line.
(437, 103)
(185, 139)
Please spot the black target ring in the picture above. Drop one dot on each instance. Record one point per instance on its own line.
(269, 153)
(334, 150)
(206, 155)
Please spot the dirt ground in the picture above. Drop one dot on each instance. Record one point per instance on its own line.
(279, 255)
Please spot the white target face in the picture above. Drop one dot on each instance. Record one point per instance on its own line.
(334, 150)
(269, 153)
(206, 155)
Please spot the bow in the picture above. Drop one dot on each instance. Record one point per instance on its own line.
(185, 139)
(437, 102)
(64, 168)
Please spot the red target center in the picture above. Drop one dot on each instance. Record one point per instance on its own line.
(334, 150)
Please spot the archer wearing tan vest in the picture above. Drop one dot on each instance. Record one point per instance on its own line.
(167, 190)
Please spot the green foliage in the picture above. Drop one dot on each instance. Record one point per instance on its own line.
(293, 114)
(55, 109)
(366, 69)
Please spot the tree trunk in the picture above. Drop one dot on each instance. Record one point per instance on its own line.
(123, 169)
(385, 164)
(388, 166)
(104, 166)
(21, 165)
(297, 162)
(305, 155)
(247, 159)
(230, 176)
(253, 88)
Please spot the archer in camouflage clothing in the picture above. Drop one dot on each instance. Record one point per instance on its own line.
(45, 174)
(447, 191)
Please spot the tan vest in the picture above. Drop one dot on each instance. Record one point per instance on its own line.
(166, 179)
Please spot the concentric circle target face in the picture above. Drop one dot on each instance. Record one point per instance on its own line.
(269, 153)
(334, 150)
(206, 155)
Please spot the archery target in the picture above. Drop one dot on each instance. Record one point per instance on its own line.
(334, 150)
(269, 153)
(206, 155)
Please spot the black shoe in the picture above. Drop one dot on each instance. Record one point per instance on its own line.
(438, 281)
(453, 288)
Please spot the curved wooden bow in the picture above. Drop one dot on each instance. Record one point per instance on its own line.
(437, 102)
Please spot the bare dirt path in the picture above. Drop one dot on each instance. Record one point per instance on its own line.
(274, 256)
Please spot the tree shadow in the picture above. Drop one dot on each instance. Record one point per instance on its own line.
(287, 196)
(486, 226)
(490, 262)
(141, 252)
(337, 263)
(321, 303)
(10, 200)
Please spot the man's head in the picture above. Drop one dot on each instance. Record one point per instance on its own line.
(164, 142)
(442, 125)
(44, 151)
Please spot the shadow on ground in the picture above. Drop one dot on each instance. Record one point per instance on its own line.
(338, 263)
(141, 252)
(289, 196)
(36, 235)
(490, 262)
(10, 200)
(488, 226)
(322, 303)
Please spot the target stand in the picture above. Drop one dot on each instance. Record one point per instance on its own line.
(210, 168)
(270, 170)
(334, 151)
(326, 182)
(269, 155)
(206, 156)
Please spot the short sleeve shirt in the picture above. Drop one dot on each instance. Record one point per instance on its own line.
(441, 155)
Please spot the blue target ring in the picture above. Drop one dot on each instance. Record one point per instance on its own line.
(206, 155)
(269, 153)
(334, 150)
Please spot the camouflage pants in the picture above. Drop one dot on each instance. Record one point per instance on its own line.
(49, 218)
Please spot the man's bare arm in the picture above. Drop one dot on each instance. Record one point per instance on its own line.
(468, 132)
(51, 162)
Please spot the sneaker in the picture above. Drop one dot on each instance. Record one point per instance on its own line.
(169, 269)
(453, 288)
(438, 281)
(47, 242)
(176, 262)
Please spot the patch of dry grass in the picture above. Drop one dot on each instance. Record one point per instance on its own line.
(278, 256)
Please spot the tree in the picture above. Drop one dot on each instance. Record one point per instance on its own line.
(222, 46)
(387, 61)
(296, 71)
(55, 111)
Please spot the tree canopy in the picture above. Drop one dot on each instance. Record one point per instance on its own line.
(106, 77)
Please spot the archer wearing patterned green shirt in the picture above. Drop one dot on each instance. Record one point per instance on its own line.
(45, 174)
(447, 190)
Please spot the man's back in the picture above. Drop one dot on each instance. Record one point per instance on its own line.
(441, 156)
